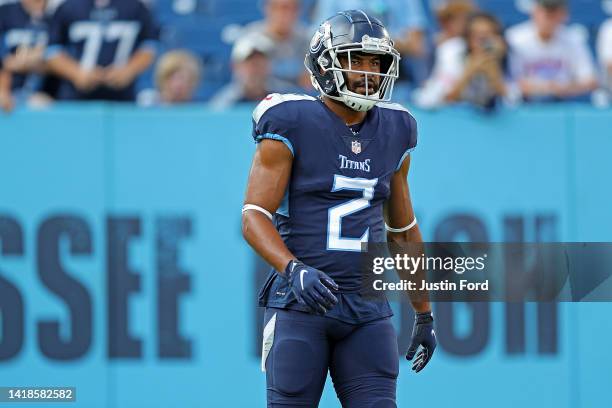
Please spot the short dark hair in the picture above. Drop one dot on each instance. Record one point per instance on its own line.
(552, 4)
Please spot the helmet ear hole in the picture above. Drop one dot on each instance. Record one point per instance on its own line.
(323, 62)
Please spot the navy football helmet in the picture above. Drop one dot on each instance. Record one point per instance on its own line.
(347, 32)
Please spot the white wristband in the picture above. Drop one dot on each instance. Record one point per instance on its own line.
(257, 208)
(406, 228)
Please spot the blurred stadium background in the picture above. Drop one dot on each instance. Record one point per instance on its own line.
(209, 27)
(123, 271)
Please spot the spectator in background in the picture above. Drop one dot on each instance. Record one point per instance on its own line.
(251, 74)
(548, 60)
(177, 76)
(405, 20)
(450, 52)
(289, 37)
(604, 52)
(474, 71)
(100, 47)
(23, 38)
(452, 16)
(482, 81)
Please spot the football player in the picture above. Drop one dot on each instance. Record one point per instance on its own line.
(323, 170)
(23, 38)
(99, 47)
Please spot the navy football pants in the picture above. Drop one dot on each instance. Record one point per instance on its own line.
(362, 360)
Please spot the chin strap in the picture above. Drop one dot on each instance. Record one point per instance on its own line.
(354, 101)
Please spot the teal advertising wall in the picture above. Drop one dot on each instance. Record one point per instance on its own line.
(123, 271)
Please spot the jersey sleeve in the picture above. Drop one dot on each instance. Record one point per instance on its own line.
(3, 48)
(604, 43)
(149, 33)
(272, 119)
(403, 128)
(408, 136)
(583, 65)
(57, 32)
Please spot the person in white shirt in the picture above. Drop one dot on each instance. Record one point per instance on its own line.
(452, 17)
(548, 60)
(604, 52)
(449, 54)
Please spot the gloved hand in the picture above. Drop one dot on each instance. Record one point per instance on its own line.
(311, 287)
(422, 335)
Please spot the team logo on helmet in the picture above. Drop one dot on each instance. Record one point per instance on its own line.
(317, 39)
(356, 146)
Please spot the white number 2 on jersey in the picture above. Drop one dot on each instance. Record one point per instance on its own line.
(94, 34)
(335, 241)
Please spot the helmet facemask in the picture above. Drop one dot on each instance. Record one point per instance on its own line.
(328, 62)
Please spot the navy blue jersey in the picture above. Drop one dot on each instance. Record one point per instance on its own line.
(19, 29)
(334, 201)
(101, 33)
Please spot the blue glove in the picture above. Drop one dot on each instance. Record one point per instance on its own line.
(311, 287)
(422, 335)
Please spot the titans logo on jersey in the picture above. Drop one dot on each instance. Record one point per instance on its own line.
(334, 202)
(19, 29)
(101, 33)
